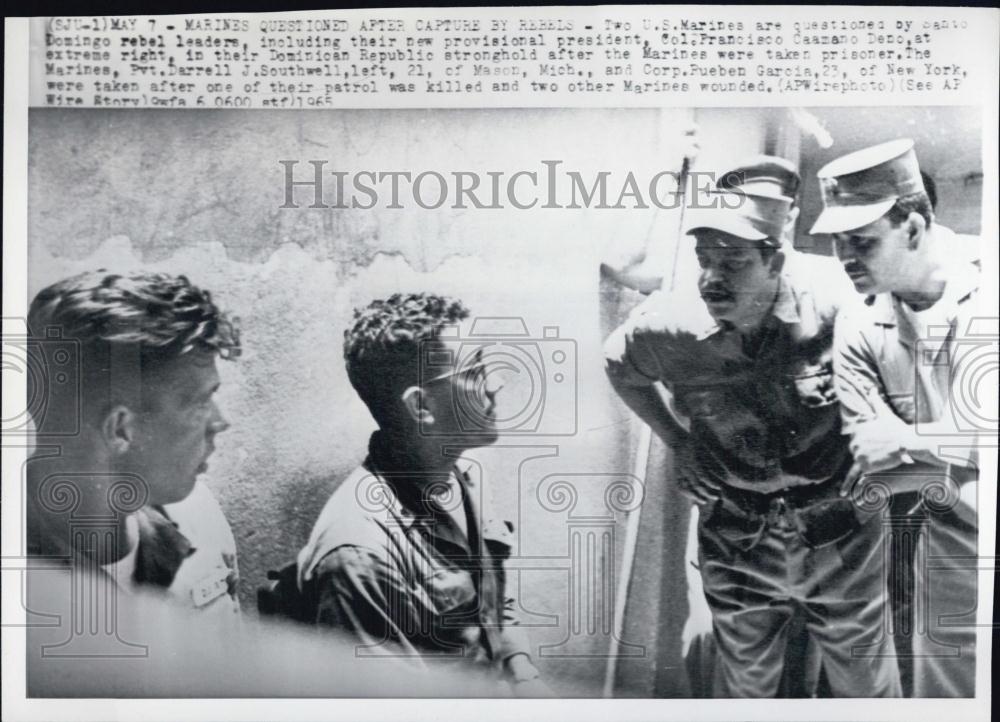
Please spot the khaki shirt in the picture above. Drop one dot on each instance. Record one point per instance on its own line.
(405, 578)
(892, 360)
(763, 410)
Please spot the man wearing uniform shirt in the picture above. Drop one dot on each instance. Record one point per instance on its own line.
(751, 368)
(896, 357)
(125, 434)
(208, 579)
(405, 556)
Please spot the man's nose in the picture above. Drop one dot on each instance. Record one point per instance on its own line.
(218, 423)
(708, 277)
(842, 248)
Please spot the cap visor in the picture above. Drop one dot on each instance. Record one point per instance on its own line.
(838, 219)
(725, 221)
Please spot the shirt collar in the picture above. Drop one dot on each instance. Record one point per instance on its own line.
(403, 507)
(963, 281)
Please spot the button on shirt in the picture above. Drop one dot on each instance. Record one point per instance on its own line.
(762, 407)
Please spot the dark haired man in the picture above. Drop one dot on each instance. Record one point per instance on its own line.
(402, 555)
(751, 369)
(128, 431)
(897, 356)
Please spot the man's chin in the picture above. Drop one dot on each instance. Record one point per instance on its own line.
(864, 285)
(482, 438)
(720, 310)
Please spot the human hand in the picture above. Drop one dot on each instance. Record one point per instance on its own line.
(877, 445)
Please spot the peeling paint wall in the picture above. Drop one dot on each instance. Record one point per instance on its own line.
(199, 193)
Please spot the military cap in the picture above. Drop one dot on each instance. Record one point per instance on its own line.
(751, 218)
(765, 176)
(861, 187)
(751, 201)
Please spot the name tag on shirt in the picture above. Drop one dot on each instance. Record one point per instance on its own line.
(211, 586)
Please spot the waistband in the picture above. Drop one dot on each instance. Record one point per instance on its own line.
(797, 497)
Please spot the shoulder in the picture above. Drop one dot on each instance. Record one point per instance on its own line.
(668, 316)
(822, 279)
(357, 509)
(356, 515)
(353, 562)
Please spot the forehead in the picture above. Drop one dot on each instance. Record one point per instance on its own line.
(711, 241)
(192, 373)
(877, 229)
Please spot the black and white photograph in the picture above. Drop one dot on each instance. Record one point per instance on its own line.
(676, 402)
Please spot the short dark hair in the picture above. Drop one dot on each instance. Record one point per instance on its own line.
(913, 203)
(382, 348)
(154, 318)
(930, 188)
(767, 252)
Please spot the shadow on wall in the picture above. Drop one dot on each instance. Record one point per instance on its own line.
(203, 200)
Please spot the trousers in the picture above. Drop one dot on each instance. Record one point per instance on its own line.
(822, 559)
(944, 643)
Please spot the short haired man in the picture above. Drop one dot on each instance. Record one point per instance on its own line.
(751, 368)
(896, 356)
(402, 556)
(128, 432)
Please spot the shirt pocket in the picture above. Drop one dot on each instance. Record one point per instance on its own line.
(451, 590)
(702, 402)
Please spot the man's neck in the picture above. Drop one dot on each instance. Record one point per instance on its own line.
(929, 278)
(751, 326)
(66, 488)
(422, 457)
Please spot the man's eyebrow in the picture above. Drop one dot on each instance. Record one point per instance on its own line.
(206, 391)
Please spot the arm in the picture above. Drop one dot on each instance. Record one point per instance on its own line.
(633, 370)
(361, 593)
(880, 440)
(640, 354)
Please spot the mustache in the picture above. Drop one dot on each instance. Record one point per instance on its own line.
(716, 293)
(854, 267)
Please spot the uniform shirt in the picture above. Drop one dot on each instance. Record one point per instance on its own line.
(762, 407)
(402, 576)
(208, 578)
(891, 359)
(162, 555)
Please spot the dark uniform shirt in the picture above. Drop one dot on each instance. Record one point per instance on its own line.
(413, 578)
(763, 409)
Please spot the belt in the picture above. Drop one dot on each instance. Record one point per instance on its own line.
(819, 515)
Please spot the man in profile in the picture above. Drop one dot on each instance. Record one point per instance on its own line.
(402, 556)
(897, 358)
(751, 367)
(127, 425)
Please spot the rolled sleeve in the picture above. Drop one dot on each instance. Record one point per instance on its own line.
(859, 385)
(633, 352)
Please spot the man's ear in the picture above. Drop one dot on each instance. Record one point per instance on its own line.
(916, 226)
(415, 401)
(789, 228)
(119, 429)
